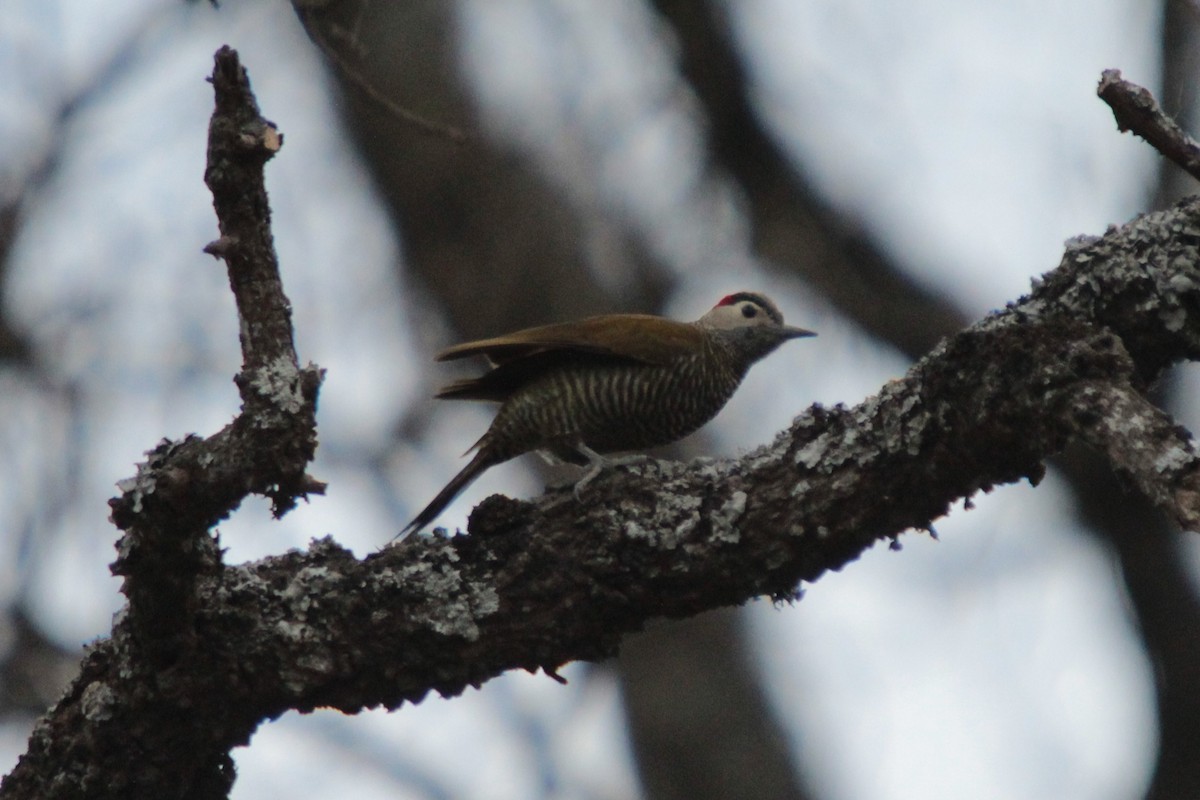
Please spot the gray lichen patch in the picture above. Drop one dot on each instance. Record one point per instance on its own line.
(450, 605)
(725, 517)
(670, 522)
(98, 701)
(279, 382)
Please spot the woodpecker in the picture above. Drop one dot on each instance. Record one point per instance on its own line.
(575, 391)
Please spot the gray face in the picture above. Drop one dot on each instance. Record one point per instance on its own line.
(750, 325)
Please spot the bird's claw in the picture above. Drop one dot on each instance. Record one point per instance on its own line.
(600, 464)
(595, 470)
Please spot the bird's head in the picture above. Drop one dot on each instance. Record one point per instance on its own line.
(750, 323)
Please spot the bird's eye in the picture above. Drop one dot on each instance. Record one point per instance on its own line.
(749, 311)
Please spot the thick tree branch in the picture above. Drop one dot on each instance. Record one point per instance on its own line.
(542, 583)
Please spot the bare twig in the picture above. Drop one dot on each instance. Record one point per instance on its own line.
(1137, 111)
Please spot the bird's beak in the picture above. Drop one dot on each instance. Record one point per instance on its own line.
(796, 333)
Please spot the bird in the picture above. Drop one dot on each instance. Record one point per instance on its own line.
(577, 391)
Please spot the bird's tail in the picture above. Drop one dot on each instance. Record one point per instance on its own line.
(437, 505)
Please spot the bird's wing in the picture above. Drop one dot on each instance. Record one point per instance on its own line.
(500, 382)
(638, 337)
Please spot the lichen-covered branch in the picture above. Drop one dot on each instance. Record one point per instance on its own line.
(185, 487)
(139, 720)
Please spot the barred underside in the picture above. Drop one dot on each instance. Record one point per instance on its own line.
(614, 407)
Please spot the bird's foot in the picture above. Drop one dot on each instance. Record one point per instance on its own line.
(598, 463)
(592, 472)
(630, 460)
